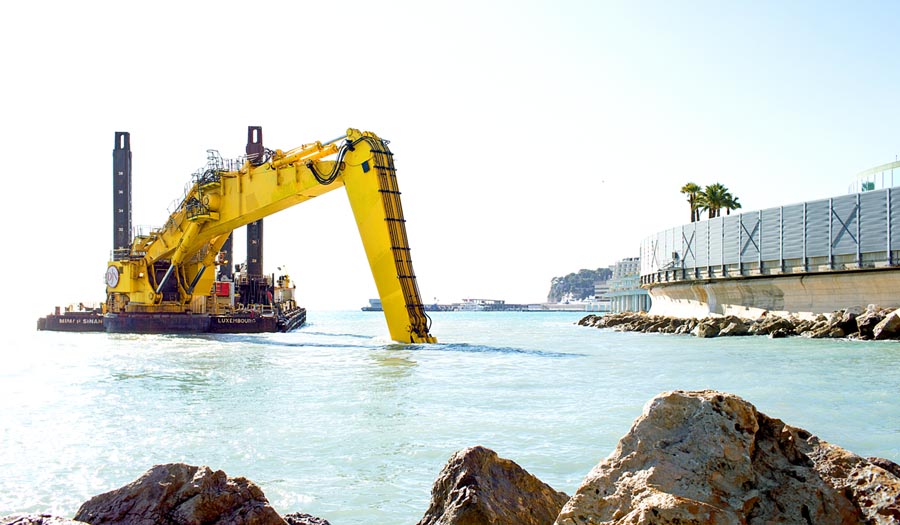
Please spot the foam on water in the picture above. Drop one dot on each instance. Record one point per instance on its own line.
(337, 421)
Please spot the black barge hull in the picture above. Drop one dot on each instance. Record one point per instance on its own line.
(174, 323)
(72, 322)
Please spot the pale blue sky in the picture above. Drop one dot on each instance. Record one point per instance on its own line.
(532, 139)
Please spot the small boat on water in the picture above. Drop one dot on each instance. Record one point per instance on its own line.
(374, 306)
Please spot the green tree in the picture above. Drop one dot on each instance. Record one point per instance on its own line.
(713, 198)
(731, 203)
(692, 191)
(578, 285)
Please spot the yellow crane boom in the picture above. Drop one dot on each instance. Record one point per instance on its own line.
(167, 269)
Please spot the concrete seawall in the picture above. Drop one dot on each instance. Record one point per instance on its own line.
(803, 295)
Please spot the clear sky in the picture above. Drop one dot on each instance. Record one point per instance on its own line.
(532, 138)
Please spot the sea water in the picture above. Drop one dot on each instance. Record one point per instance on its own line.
(339, 422)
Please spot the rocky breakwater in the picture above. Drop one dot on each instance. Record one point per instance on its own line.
(871, 322)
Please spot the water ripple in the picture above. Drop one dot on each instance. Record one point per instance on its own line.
(464, 347)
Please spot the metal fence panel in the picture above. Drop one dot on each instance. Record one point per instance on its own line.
(664, 251)
(715, 242)
(678, 238)
(660, 249)
(656, 250)
(671, 246)
(770, 236)
(817, 223)
(702, 244)
(661, 257)
(895, 218)
(689, 245)
(731, 238)
(665, 248)
(646, 265)
(873, 221)
(793, 231)
(844, 225)
(749, 225)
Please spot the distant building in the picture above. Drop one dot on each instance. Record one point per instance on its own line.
(624, 288)
(600, 301)
(480, 305)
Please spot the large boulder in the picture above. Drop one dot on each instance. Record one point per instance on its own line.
(36, 519)
(708, 327)
(477, 487)
(868, 320)
(848, 319)
(179, 494)
(771, 323)
(711, 458)
(735, 327)
(825, 331)
(780, 333)
(588, 320)
(887, 328)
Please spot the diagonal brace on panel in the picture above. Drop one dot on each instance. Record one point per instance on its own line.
(845, 226)
(655, 258)
(750, 237)
(689, 244)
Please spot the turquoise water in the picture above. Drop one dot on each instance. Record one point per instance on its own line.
(337, 421)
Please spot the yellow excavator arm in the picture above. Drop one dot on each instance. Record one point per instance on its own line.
(220, 201)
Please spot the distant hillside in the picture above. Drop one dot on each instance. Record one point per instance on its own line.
(580, 285)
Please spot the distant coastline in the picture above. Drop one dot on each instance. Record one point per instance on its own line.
(499, 305)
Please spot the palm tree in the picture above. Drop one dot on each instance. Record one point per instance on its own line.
(713, 198)
(692, 191)
(701, 203)
(731, 203)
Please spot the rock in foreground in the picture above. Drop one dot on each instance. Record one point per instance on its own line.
(710, 457)
(179, 494)
(36, 519)
(477, 487)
